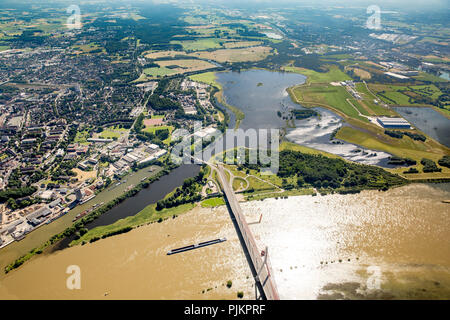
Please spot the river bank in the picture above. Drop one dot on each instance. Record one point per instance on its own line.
(322, 247)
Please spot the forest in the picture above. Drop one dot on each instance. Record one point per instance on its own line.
(320, 171)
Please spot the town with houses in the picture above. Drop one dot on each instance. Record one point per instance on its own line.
(59, 162)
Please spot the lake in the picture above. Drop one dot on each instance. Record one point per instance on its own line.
(429, 121)
(261, 93)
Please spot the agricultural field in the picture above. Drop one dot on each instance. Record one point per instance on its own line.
(362, 74)
(172, 67)
(423, 76)
(185, 65)
(436, 59)
(235, 55)
(88, 48)
(163, 54)
(406, 95)
(48, 25)
(200, 44)
(210, 31)
(155, 72)
(241, 44)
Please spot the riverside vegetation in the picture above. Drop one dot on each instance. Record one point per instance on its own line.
(78, 228)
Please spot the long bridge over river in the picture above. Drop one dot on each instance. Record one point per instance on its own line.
(260, 263)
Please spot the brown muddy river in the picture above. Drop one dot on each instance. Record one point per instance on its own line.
(390, 245)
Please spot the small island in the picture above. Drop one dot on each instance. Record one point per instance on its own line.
(304, 113)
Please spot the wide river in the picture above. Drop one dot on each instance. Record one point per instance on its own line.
(392, 244)
(375, 244)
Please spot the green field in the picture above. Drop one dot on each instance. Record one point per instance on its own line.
(332, 97)
(208, 78)
(88, 48)
(238, 182)
(153, 130)
(334, 74)
(429, 77)
(212, 202)
(158, 72)
(82, 137)
(288, 193)
(285, 145)
(406, 95)
(109, 134)
(368, 101)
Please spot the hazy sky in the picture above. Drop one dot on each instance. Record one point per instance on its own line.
(405, 4)
(398, 5)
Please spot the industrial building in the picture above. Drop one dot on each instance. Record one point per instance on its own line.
(38, 216)
(393, 123)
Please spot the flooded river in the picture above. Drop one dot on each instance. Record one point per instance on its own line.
(429, 121)
(389, 245)
(392, 244)
(260, 94)
(135, 265)
(316, 133)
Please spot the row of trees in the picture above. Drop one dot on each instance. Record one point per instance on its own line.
(187, 193)
(399, 134)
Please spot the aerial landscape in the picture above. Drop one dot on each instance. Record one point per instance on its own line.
(224, 150)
